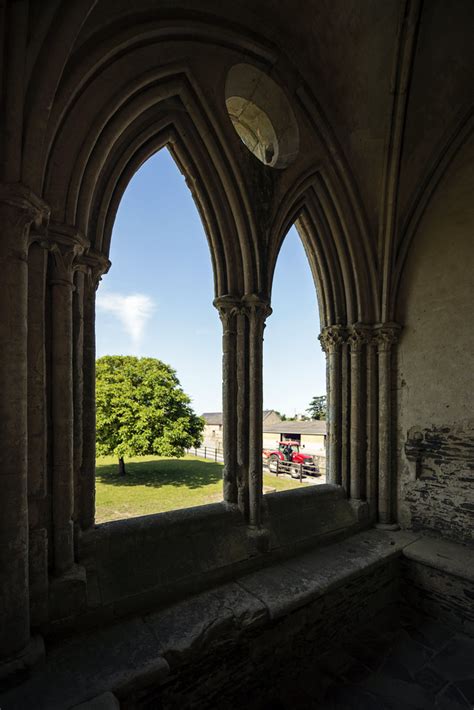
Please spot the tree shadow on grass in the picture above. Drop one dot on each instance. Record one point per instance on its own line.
(162, 472)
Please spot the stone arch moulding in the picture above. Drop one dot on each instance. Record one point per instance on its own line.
(357, 347)
(122, 134)
(343, 268)
(49, 93)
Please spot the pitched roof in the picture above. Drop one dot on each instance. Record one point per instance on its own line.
(268, 412)
(216, 417)
(311, 427)
(212, 417)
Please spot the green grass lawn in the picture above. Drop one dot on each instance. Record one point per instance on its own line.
(154, 485)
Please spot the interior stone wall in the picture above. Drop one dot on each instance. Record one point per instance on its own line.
(435, 373)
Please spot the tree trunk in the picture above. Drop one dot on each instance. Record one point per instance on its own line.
(121, 467)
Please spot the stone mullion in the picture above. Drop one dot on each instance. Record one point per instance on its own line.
(37, 435)
(345, 417)
(372, 426)
(331, 341)
(387, 336)
(242, 413)
(64, 252)
(78, 382)
(257, 310)
(357, 339)
(96, 265)
(18, 210)
(328, 408)
(227, 308)
(87, 477)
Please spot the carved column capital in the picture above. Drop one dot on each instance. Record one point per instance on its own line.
(248, 305)
(24, 203)
(94, 265)
(65, 244)
(20, 212)
(386, 335)
(254, 305)
(228, 307)
(359, 335)
(332, 337)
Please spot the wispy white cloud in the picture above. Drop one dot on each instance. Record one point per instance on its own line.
(132, 311)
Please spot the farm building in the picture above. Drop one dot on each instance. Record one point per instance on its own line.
(310, 435)
(212, 433)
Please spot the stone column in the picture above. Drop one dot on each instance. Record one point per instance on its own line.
(387, 336)
(372, 424)
(78, 380)
(331, 340)
(96, 264)
(358, 336)
(38, 513)
(228, 308)
(19, 209)
(242, 413)
(345, 415)
(257, 310)
(65, 245)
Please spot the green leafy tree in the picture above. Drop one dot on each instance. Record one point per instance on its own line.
(141, 409)
(318, 407)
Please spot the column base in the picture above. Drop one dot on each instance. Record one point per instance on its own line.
(387, 526)
(259, 537)
(360, 508)
(68, 594)
(13, 669)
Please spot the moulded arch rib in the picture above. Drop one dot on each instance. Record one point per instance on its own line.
(50, 94)
(218, 199)
(337, 261)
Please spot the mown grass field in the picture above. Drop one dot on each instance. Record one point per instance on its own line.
(154, 485)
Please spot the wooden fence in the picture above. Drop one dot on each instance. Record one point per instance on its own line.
(295, 470)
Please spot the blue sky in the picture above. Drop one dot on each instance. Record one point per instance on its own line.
(156, 300)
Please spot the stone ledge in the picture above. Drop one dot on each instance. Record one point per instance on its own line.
(442, 555)
(137, 653)
(300, 580)
(438, 579)
(139, 564)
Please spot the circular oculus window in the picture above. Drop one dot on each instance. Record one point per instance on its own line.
(262, 116)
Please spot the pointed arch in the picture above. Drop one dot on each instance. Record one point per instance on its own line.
(125, 133)
(81, 86)
(342, 269)
(71, 68)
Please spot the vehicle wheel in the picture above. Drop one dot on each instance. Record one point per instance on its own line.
(295, 472)
(273, 463)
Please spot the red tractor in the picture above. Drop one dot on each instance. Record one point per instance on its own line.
(289, 453)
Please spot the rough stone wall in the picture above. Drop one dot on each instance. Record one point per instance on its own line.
(439, 494)
(435, 373)
(439, 594)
